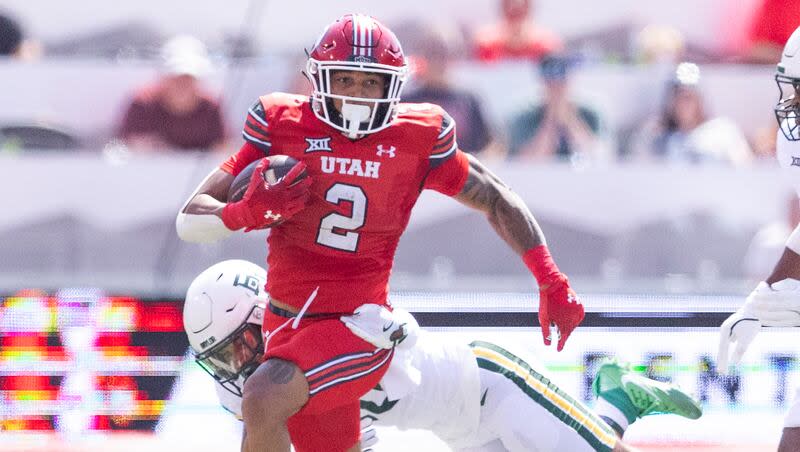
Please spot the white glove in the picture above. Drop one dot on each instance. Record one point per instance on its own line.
(740, 329)
(777, 305)
(377, 325)
(369, 437)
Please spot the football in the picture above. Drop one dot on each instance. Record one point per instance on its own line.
(279, 165)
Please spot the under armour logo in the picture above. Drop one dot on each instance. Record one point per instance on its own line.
(319, 144)
(795, 161)
(382, 151)
(272, 216)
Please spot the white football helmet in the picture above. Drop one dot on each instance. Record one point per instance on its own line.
(787, 111)
(222, 316)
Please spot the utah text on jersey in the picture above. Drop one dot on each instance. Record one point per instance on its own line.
(350, 167)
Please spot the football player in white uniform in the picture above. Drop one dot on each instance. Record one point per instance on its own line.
(776, 300)
(476, 397)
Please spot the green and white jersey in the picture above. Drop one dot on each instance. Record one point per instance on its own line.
(788, 155)
(482, 397)
(230, 401)
(522, 409)
(477, 397)
(447, 399)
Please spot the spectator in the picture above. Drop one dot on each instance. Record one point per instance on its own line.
(174, 112)
(10, 36)
(24, 134)
(684, 133)
(515, 36)
(558, 128)
(13, 42)
(773, 23)
(432, 83)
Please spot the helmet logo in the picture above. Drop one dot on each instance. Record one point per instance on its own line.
(251, 282)
(363, 59)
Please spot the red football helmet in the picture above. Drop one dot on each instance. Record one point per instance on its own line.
(356, 43)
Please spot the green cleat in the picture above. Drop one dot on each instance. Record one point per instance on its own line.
(637, 396)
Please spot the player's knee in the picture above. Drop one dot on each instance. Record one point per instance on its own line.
(276, 390)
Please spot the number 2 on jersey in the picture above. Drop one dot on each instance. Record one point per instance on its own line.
(337, 230)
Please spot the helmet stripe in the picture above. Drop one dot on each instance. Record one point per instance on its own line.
(362, 28)
(355, 34)
(369, 36)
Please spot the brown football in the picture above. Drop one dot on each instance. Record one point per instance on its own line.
(279, 165)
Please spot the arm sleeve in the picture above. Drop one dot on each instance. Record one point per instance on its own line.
(247, 154)
(256, 127)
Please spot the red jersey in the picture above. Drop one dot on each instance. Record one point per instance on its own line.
(363, 191)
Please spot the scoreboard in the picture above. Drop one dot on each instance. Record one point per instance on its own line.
(78, 360)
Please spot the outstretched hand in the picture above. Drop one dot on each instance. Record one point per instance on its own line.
(771, 305)
(559, 306)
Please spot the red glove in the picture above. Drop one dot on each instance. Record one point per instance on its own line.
(264, 205)
(558, 303)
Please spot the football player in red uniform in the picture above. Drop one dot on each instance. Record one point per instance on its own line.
(335, 232)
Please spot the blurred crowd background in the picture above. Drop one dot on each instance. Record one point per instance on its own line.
(529, 80)
(625, 99)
